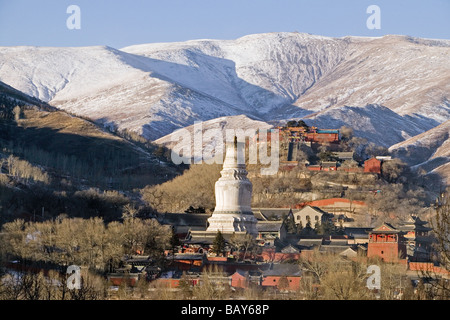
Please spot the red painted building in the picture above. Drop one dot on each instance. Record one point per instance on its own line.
(322, 135)
(239, 280)
(372, 165)
(333, 203)
(292, 283)
(116, 279)
(243, 279)
(279, 276)
(282, 277)
(324, 166)
(385, 243)
(314, 134)
(188, 262)
(428, 267)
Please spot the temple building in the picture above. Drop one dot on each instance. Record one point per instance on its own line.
(416, 238)
(385, 243)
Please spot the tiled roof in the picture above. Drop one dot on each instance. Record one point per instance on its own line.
(334, 248)
(357, 232)
(269, 213)
(283, 269)
(290, 249)
(184, 219)
(310, 242)
(269, 226)
(385, 228)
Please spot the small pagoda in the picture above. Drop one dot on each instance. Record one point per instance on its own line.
(416, 238)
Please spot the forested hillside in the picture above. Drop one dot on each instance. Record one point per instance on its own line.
(53, 163)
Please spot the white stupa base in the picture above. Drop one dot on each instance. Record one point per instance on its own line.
(229, 223)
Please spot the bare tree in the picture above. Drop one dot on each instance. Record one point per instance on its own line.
(213, 285)
(242, 243)
(440, 287)
(393, 170)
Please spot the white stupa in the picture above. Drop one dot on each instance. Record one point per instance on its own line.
(233, 190)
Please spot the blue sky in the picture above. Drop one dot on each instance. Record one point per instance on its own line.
(122, 23)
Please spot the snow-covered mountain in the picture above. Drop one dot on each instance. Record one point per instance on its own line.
(429, 150)
(389, 89)
(407, 75)
(214, 133)
(156, 88)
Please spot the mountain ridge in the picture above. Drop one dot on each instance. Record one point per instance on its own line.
(388, 88)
